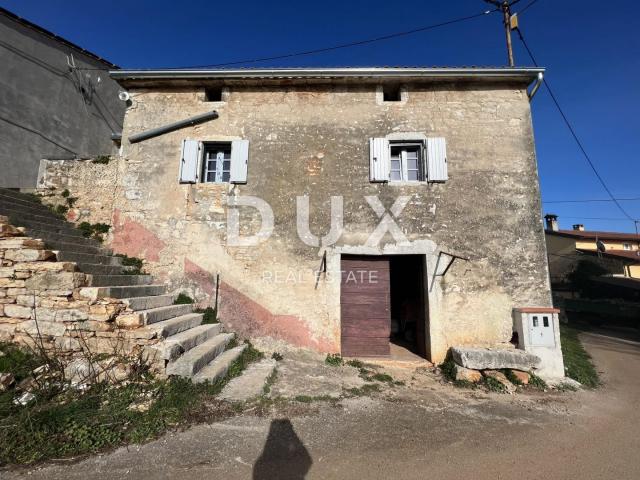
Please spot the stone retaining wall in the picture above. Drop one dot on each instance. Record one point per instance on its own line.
(50, 301)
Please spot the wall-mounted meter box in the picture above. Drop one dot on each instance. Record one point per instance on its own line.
(538, 332)
(541, 329)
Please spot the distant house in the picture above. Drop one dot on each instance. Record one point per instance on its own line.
(57, 101)
(617, 253)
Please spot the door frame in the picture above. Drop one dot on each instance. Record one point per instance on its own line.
(334, 259)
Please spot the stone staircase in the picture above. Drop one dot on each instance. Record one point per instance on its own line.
(188, 347)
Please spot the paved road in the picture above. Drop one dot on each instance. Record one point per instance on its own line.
(437, 435)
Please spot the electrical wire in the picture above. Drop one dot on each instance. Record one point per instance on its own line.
(526, 7)
(334, 47)
(574, 135)
(631, 199)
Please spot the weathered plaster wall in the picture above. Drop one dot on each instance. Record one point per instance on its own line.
(314, 140)
(43, 112)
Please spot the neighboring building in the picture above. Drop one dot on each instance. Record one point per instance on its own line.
(432, 173)
(618, 253)
(48, 108)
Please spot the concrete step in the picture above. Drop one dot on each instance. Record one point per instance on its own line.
(176, 325)
(98, 269)
(155, 315)
(219, 367)
(19, 213)
(63, 237)
(129, 291)
(119, 280)
(82, 258)
(193, 360)
(21, 202)
(251, 383)
(175, 345)
(146, 303)
(75, 247)
(64, 228)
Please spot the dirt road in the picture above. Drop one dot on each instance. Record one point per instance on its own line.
(439, 434)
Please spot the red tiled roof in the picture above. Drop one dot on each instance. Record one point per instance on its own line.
(592, 235)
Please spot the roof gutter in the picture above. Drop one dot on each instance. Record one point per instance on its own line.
(535, 88)
(293, 73)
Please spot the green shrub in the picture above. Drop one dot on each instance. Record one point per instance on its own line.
(493, 385)
(335, 360)
(536, 382)
(210, 315)
(102, 159)
(182, 299)
(577, 362)
(276, 356)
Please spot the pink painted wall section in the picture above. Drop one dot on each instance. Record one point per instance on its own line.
(203, 279)
(133, 239)
(250, 319)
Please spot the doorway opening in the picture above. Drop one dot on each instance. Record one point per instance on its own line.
(383, 307)
(408, 306)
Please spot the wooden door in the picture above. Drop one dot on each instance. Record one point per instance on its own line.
(365, 306)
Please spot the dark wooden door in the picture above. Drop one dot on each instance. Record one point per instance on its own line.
(365, 306)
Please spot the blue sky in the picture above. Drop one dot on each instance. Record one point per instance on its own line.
(590, 48)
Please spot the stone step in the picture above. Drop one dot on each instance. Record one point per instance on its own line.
(64, 228)
(98, 269)
(146, 303)
(192, 361)
(219, 367)
(175, 345)
(83, 258)
(126, 291)
(63, 237)
(176, 325)
(119, 280)
(251, 383)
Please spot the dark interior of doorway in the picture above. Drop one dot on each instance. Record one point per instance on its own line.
(408, 329)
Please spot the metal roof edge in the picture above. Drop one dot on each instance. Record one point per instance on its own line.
(529, 73)
(53, 36)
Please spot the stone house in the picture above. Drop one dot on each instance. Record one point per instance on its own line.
(367, 211)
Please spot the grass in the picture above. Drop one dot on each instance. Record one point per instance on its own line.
(577, 362)
(209, 315)
(183, 299)
(536, 382)
(67, 422)
(493, 385)
(102, 159)
(94, 230)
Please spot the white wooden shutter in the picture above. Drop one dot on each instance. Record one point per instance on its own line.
(239, 161)
(437, 160)
(189, 161)
(379, 160)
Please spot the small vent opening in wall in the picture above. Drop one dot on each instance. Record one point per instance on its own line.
(391, 93)
(213, 94)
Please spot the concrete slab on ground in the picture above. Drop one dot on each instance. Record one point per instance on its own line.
(251, 383)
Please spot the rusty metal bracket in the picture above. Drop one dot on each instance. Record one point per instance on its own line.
(322, 269)
(453, 258)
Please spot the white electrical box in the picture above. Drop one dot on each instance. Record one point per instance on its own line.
(541, 330)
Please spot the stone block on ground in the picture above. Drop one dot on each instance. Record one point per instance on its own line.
(523, 377)
(467, 375)
(500, 377)
(494, 359)
(6, 381)
(250, 384)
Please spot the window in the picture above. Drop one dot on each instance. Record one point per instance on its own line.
(216, 162)
(545, 321)
(391, 93)
(213, 94)
(626, 246)
(535, 321)
(406, 164)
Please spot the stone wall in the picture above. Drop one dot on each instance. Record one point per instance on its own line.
(47, 303)
(313, 140)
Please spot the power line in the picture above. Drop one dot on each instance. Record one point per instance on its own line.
(334, 47)
(573, 133)
(526, 7)
(632, 199)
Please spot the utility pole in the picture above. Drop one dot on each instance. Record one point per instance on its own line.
(510, 23)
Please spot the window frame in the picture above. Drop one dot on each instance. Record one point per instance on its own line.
(627, 246)
(406, 146)
(218, 148)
